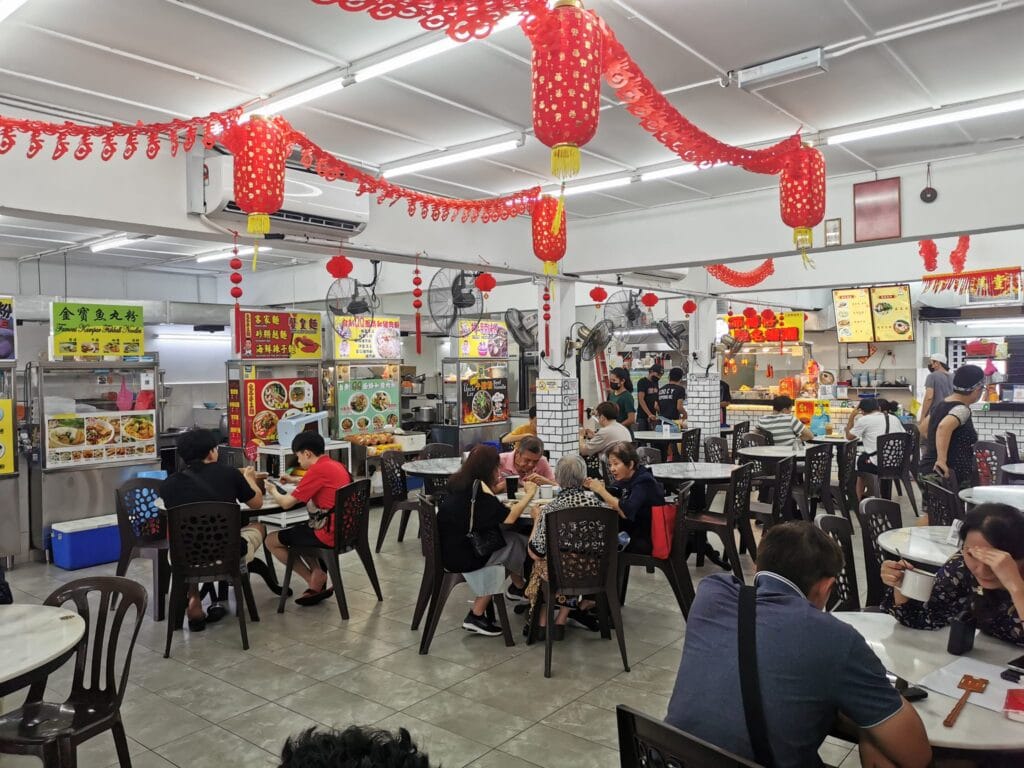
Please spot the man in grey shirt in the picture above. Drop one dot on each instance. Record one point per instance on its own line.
(938, 386)
(610, 432)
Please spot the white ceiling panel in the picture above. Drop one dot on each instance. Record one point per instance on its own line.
(882, 14)
(727, 180)
(598, 205)
(351, 140)
(652, 193)
(536, 158)
(24, 90)
(732, 115)
(621, 139)
(493, 178)
(839, 162)
(914, 146)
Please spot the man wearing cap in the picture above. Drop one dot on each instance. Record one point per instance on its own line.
(950, 430)
(647, 398)
(939, 384)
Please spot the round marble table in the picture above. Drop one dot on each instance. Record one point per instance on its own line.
(911, 654)
(1002, 494)
(1016, 470)
(924, 544)
(37, 639)
(700, 471)
(432, 467)
(770, 452)
(657, 436)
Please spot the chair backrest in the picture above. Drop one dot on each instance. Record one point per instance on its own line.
(876, 516)
(691, 444)
(751, 440)
(586, 558)
(438, 451)
(989, 457)
(893, 455)
(351, 514)
(940, 503)
(96, 658)
(769, 438)
(430, 541)
(738, 431)
(915, 448)
(783, 490)
(737, 501)
(648, 743)
(204, 540)
(846, 459)
(1012, 454)
(594, 466)
(648, 455)
(716, 450)
(845, 595)
(817, 470)
(680, 539)
(396, 488)
(138, 518)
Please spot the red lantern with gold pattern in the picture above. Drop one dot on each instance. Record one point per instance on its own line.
(802, 195)
(548, 242)
(260, 146)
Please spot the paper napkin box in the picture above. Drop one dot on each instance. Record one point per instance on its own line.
(1014, 704)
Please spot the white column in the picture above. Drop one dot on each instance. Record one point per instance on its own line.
(702, 387)
(557, 395)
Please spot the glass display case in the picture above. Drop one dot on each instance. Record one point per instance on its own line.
(261, 393)
(476, 400)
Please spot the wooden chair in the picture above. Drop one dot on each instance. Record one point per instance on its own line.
(674, 567)
(876, 516)
(143, 530)
(846, 491)
(989, 457)
(52, 732)
(648, 455)
(816, 485)
(737, 432)
(785, 476)
(845, 595)
(648, 743)
(893, 459)
(350, 520)
(690, 440)
(205, 547)
(396, 496)
(735, 517)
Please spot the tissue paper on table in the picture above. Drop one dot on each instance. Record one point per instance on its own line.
(945, 679)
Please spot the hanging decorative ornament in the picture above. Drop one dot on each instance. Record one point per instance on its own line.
(548, 243)
(547, 320)
(802, 196)
(649, 300)
(339, 266)
(598, 294)
(417, 304)
(486, 283)
(738, 279)
(689, 307)
(929, 254)
(958, 256)
(236, 292)
(993, 283)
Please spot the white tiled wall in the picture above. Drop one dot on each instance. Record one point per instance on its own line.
(992, 423)
(703, 404)
(558, 422)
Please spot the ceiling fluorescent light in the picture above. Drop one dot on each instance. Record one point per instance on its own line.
(325, 85)
(784, 70)
(596, 186)
(670, 172)
(996, 322)
(450, 156)
(115, 242)
(246, 251)
(940, 118)
(7, 7)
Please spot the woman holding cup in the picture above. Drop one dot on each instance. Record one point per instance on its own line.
(986, 579)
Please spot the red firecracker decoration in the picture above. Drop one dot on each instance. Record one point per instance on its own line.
(958, 256)
(548, 240)
(260, 146)
(598, 294)
(339, 266)
(929, 254)
(738, 279)
(649, 300)
(417, 304)
(486, 283)
(802, 196)
(547, 321)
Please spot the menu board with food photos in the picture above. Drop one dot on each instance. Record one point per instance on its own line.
(96, 330)
(7, 325)
(6, 436)
(853, 315)
(367, 338)
(484, 401)
(892, 314)
(264, 335)
(368, 405)
(267, 401)
(101, 437)
(488, 340)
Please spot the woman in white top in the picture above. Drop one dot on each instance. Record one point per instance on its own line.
(867, 424)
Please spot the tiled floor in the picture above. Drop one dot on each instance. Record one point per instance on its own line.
(471, 702)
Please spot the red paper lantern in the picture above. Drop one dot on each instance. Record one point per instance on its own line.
(236, 292)
(260, 146)
(749, 312)
(236, 277)
(689, 307)
(486, 283)
(598, 294)
(339, 266)
(417, 304)
(548, 235)
(802, 195)
(566, 70)
(235, 263)
(649, 300)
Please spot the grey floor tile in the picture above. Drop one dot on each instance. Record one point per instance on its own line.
(610, 695)
(498, 759)
(269, 726)
(587, 722)
(146, 759)
(352, 644)
(522, 690)
(427, 669)
(444, 747)
(215, 747)
(648, 678)
(266, 680)
(308, 660)
(153, 721)
(552, 748)
(476, 652)
(209, 697)
(334, 706)
(469, 718)
(383, 687)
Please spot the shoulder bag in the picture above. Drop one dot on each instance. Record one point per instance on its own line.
(750, 683)
(485, 543)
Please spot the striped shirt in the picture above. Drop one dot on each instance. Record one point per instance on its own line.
(785, 428)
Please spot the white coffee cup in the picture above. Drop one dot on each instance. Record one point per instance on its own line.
(520, 494)
(917, 585)
(547, 492)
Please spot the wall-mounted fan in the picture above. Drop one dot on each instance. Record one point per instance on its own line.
(453, 297)
(523, 327)
(624, 311)
(676, 335)
(729, 344)
(594, 340)
(349, 297)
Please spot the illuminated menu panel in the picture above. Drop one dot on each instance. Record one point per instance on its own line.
(853, 315)
(890, 308)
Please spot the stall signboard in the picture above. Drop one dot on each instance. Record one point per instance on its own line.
(8, 344)
(367, 338)
(266, 401)
(6, 436)
(891, 311)
(101, 437)
(234, 413)
(780, 328)
(815, 414)
(484, 401)
(368, 405)
(264, 335)
(488, 340)
(853, 315)
(96, 330)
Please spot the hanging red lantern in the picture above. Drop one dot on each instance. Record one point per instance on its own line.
(548, 241)
(486, 283)
(417, 304)
(802, 196)
(749, 312)
(649, 300)
(689, 307)
(236, 293)
(339, 266)
(260, 146)
(598, 294)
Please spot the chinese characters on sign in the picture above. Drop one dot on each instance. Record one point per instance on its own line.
(8, 349)
(890, 310)
(268, 400)
(6, 437)
(368, 405)
(490, 339)
(103, 437)
(783, 328)
(96, 330)
(366, 338)
(280, 335)
(234, 413)
(484, 401)
(853, 315)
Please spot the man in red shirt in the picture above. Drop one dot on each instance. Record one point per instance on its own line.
(323, 477)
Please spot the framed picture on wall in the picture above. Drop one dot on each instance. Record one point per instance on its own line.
(833, 232)
(876, 210)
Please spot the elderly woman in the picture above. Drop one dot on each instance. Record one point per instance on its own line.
(570, 473)
(638, 493)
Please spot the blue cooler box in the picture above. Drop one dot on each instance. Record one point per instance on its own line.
(81, 543)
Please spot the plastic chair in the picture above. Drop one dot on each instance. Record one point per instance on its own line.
(845, 595)
(846, 490)
(52, 732)
(351, 524)
(716, 451)
(763, 473)
(143, 530)
(989, 457)
(1012, 454)
(437, 486)
(437, 583)
(876, 516)
(690, 439)
(645, 742)
(648, 455)
(781, 494)
(206, 547)
(893, 459)
(941, 503)
(816, 486)
(735, 517)
(396, 496)
(738, 431)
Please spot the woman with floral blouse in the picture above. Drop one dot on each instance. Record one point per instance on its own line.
(986, 578)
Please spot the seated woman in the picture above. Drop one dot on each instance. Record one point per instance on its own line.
(638, 493)
(570, 473)
(479, 474)
(991, 560)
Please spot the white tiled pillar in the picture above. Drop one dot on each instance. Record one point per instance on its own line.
(558, 415)
(703, 393)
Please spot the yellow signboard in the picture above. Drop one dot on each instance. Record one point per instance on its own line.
(96, 330)
(6, 437)
(853, 315)
(890, 308)
(367, 338)
(488, 340)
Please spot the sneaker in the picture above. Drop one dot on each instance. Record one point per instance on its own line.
(480, 625)
(515, 594)
(585, 620)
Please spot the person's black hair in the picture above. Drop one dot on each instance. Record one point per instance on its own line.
(609, 410)
(656, 368)
(481, 464)
(530, 444)
(889, 406)
(800, 552)
(1002, 526)
(623, 375)
(676, 374)
(626, 453)
(309, 441)
(870, 405)
(195, 445)
(355, 747)
(781, 403)
(533, 412)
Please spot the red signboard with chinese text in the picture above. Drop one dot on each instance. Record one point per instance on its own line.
(264, 335)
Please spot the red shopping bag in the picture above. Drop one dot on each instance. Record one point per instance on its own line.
(663, 523)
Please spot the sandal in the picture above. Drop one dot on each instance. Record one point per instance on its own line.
(309, 597)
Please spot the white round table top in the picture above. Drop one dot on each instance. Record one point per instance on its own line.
(700, 470)
(1014, 469)
(655, 436)
(34, 635)
(773, 451)
(914, 653)
(1002, 494)
(433, 467)
(830, 439)
(925, 544)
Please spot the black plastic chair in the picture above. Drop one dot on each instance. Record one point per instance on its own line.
(738, 431)
(143, 531)
(648, 743)
(816, 485)
(876, 516)
(1012, 453)
(735, 517)
(674, 567)
(716, 451)
(432, 485)
(648, 455)
(846, 491)
(782, 493)
(206, 547)
(845, 595)
(396, 496)
(763, 471)
(989, 457)
(941, 502)
(893, 459)
(690, 440)
(351, 523)
(51, 731)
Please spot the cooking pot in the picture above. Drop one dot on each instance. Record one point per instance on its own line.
(425, 414)
(451, 413)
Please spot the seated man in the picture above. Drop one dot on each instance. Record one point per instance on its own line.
(206, 479)
(608, 434)
(785, 428)
(527, 429)
(811, 666)
(323, 477)
(528, 462)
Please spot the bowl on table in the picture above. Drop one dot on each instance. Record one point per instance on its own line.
(210, 406)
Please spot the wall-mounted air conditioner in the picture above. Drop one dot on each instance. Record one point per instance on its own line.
(312, 205)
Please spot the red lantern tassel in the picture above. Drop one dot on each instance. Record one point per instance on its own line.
(419, 335)
(547, 339)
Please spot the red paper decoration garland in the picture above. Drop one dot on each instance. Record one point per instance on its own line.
(417, 304)
(746, 279)
(958, 256)
(929, 254)
(1004, 281)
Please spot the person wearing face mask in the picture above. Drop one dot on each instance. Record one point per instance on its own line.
(991, 559)
(939, 384)
(950, 429)
(622, 396)
(647, 398)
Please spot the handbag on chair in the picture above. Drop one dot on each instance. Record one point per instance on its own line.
(484, 543)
